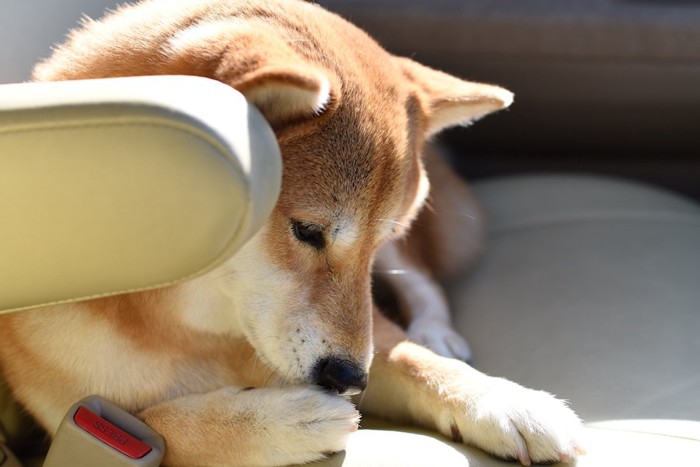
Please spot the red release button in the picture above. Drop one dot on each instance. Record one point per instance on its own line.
(110, 434)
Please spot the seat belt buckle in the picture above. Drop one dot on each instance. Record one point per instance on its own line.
(96, 432)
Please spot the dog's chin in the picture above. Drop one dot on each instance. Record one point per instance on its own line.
(283, 372)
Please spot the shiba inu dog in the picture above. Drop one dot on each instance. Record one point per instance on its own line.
(252, 364)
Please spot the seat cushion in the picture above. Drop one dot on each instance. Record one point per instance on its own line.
(608, 445)
(589, 289)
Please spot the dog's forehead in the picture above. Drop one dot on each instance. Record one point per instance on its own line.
(351, 161)
(356, 169)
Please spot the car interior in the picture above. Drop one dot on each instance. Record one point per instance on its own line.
(590, 184)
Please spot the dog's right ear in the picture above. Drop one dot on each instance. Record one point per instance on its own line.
(272, 76)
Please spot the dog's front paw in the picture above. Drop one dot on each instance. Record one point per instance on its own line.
(300, 424)
(255, 427)
(513, 422)
(440, 338)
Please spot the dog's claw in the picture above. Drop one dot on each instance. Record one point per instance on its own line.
(456, 434)
(524, 458)
(522, 453)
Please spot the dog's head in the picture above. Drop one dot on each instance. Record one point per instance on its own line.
(351, 121)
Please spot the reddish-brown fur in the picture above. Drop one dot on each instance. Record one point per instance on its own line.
(352, 122)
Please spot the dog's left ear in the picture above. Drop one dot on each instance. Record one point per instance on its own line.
(284, 93)
(450, 101)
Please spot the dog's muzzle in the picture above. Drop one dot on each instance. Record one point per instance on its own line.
(340, 375)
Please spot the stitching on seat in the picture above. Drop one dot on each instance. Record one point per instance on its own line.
(643, 432)
(118, 122)
(641, 216)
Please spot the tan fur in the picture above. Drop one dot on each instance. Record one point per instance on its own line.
(352, 122)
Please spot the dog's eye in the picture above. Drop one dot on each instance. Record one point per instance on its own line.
(309, 233)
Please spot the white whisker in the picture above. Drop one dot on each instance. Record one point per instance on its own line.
(362, 399)
(391, 221)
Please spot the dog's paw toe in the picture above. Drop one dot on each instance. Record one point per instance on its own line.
(308, 423)
(441, 339)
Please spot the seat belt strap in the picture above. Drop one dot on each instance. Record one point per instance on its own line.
(7, 459)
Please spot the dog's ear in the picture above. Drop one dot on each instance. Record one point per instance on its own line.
(284, 93)
(271, 75)
(450, 101)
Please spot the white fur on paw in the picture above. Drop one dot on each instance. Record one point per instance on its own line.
(514, 422)
(303, 423)
(440, 338)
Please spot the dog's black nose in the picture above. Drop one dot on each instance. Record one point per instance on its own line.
(341, 375)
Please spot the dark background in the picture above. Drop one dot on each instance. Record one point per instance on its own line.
(601, 86)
